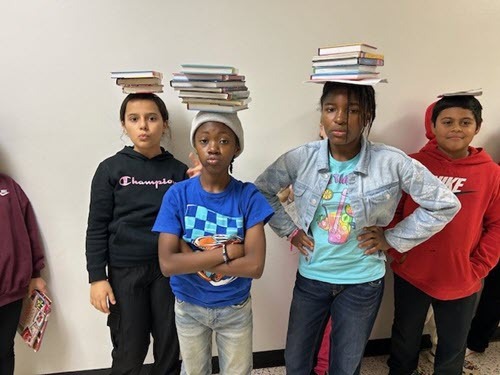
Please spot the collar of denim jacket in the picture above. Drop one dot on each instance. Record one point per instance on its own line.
(324, 155)
(364, 157)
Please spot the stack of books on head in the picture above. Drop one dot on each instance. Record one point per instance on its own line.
(212, 88)
(139, 81)
(353, 62)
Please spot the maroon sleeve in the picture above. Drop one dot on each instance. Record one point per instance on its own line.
(37, 254)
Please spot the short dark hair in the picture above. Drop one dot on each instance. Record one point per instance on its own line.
(462, 101)
(145, 96)
(365, 95)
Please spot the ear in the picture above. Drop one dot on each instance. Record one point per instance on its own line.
(478, 127)
(124, 128)
(433, 128)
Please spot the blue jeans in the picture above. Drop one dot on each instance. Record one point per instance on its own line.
(353, 308)
(233, 328)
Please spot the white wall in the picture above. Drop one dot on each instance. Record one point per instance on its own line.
(59, 113)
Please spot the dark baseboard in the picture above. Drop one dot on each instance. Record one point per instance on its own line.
(276, 358)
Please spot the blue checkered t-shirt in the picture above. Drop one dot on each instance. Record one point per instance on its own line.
(204, 220)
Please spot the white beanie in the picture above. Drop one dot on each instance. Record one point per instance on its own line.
(231, 120)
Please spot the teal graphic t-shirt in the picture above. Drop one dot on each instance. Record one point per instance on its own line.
(337, 257)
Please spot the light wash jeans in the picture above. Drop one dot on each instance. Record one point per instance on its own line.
(233, 328)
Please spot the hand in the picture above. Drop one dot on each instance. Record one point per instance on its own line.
(301, 240)
(195, 170)
(373, 240)
(235, 250)
(100, 294)
(37, 283)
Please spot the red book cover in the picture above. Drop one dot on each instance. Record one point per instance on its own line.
(34, 316)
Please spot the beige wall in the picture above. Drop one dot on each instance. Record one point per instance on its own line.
(59, 109)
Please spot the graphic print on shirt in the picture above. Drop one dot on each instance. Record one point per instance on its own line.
(207, 230)
(3, 192)
(337, 218)
(455, 184)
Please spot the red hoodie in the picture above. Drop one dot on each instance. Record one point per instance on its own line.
(451, 264)
(21, 254)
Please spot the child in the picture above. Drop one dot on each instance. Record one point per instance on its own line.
(225, 217)
(346, 188)
(446, 270)
(21, 260)
(126, 195)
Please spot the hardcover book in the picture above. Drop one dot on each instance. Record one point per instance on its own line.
(215, 107)
(326, 77)
(352, 61)
(233, 102)
(208, 69)
(343, 48)
(138, 81)
(350, 69)
(206, 83)
(137, 74)
(214, 95)
(349, 55)
(207, 77)
(34, 316)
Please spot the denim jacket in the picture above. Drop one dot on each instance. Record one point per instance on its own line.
(375, 188)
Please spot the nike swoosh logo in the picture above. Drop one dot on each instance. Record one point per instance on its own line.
(465, 192)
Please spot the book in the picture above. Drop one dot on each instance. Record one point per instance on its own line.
(470, 92)
(207, 77)
(142, 89)
(34, 316)
(234, 102)
(364, 82)
(137, 74)
(349, 69)
(206, 83)
(214, 95)
(347, 62)
(208, 69)
(215, 107)
(138, 81)
(342, 48)
(213, 89)
(326, 77)
(348, 55)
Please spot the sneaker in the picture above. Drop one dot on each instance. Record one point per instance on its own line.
(430, 356)
(470, 368)
(469, 352)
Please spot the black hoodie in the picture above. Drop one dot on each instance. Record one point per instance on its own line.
(127, 190)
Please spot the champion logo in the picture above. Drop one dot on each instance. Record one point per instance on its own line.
(128, 180)
(3, 192)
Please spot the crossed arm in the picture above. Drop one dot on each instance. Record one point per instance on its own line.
(247, 259)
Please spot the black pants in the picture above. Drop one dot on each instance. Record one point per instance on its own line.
(144, 306)
(9, 317)
(487, 316)
(452, 323)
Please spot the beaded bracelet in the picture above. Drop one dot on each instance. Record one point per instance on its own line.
(291, 236)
